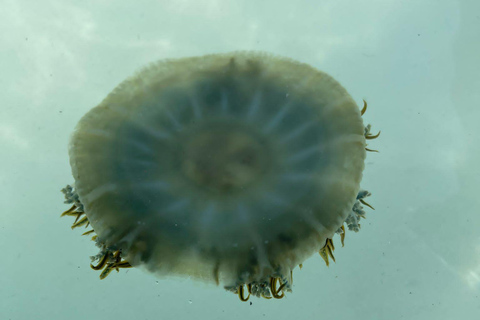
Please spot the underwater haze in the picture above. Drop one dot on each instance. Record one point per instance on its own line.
(416, 63)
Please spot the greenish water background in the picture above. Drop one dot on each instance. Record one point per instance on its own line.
(415, 62)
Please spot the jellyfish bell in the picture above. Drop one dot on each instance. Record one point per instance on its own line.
(230, 168)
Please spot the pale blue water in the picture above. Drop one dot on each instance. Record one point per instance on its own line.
(416, 63)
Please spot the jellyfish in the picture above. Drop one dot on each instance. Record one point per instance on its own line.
(228, 168)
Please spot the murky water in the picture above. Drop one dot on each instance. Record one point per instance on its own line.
(417, 255)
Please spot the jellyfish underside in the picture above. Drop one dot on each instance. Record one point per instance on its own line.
(230, 168)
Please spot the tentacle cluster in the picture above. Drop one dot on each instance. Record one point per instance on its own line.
(109, 258)
(274, 287)
(76, 210)
(357, 212)
(367, 133)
